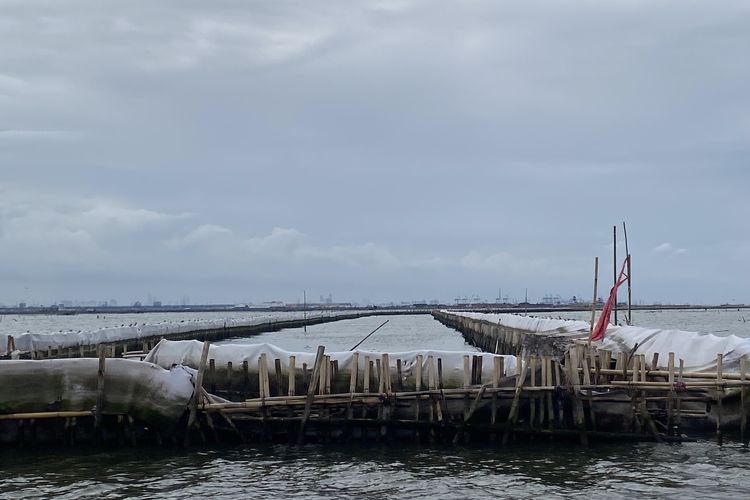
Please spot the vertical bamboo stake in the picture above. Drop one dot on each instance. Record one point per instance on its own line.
(399, 376)
(198, 390)
(543, 383)
(670, 394)
(386, 382)
(418, 387)
(467, 384)
(549, 363)
(261, 383)
(614, 268)
(292, 375)
(532, 383)
(593, 301)
(630, 296)
(431, 384)
(354, 373)
(418, 373)
(319, 356)
(743, 397)
(497, 370)
(679, 398)
(245, 378)
(277, 371)
(100, 390)
(655, 361)
(719, 392)
(366, 381)
(643, 367)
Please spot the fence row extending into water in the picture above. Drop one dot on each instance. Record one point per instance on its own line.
(531, 385)
(624, 391)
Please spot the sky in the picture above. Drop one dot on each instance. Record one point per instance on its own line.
(391, 150)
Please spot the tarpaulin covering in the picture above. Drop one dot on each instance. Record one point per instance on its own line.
(27, 341)
(698, 350)
(142, 390)
(188, 352)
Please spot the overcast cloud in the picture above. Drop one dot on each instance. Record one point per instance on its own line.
(386, 150)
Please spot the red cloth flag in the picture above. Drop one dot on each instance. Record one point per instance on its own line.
(601, 325)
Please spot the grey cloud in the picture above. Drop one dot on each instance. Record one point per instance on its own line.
(410, 149)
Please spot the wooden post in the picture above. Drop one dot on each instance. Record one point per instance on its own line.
(277, 370)
(245, 378)
(467, 372)
(386, 376)
(574, 362)
(354, 373)
(549, 363)
(521, 368)
(497, 373)
(399, 376)
(431, 385)
(319, 356)
(292, 375)
(743, 398)
(467, 383)
(100, 391)
(212, 375)
(197, 390)
(719, 393)
(670, 394)
(418, 387)
(614, 269)
(366, 381)
(532, 383)
(543, 383)
(593, 301)
(643, 367)
(679, 398)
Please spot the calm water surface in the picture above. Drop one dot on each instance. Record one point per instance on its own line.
(540, 469)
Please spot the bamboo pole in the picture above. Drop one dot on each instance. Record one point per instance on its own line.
(743, 398)
(670, 394)
(293, 375)
(197, 394)
(627, 256)
(522, 369)
(354, 372)
(593, 301)
(100, 390)
(614, 268)
(366, 381)
(719, 394)
(44, 414)
(319, 356)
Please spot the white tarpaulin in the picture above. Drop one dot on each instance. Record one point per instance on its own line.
(188, 352)
(142, 390)
(698, 350)
(26, 341)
